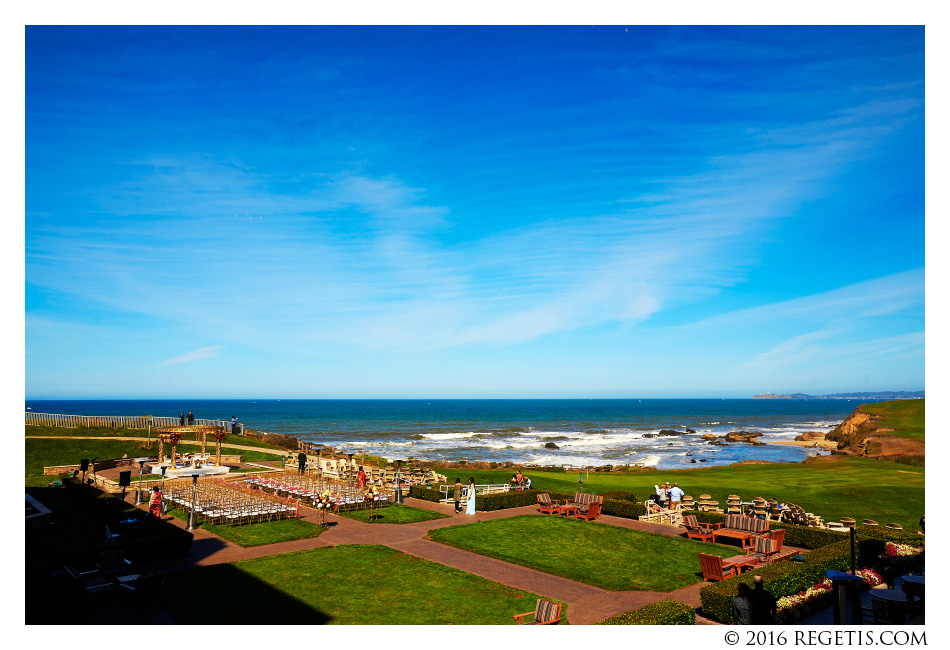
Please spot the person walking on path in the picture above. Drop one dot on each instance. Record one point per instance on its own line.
(470, 509)
(458, 495)
(763, 604)
(181, 419)
(191, 419)
(676, 494)
(742, 605)
(155, 504)
(301, 462)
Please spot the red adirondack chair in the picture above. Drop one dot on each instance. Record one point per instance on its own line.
(713, 569)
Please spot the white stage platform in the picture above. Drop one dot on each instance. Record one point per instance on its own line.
(185, 470)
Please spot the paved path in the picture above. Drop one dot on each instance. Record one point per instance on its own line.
(586, 603)
(227, 445)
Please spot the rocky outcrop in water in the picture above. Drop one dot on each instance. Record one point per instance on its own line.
(709, 436)
(551, 445)
(670, 432)
(742, 436)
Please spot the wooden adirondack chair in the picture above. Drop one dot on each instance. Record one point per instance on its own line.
(778, 536)
(545, 613)
(713, 569)
(592, 512)
(546, 505)
(763, 549)
(695, 530)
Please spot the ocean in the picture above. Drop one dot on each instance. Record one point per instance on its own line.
(586, 432)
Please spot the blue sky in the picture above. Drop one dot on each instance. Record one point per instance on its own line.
(473, 212)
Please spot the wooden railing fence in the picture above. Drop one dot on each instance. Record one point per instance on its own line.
(127, 421)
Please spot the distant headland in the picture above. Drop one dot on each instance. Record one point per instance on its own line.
(883, 395)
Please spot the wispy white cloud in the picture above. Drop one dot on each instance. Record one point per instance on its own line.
(194, 355)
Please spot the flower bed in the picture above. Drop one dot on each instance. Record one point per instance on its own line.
(795, 607)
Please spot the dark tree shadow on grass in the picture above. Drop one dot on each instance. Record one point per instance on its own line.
(225, 595)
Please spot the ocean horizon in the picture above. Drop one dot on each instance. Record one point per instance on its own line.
(585, 431)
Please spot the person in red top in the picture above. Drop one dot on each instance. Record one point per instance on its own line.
(155, 505)
(361, 479)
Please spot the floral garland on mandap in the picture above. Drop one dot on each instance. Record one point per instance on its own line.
(790, 609)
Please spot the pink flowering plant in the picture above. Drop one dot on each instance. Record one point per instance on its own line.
(901, 550)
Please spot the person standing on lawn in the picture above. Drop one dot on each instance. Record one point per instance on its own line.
(191, 419)
(676, 494)
(361, 478)
(458, 494)
(763, 604)
(470, 509)
(301, 462)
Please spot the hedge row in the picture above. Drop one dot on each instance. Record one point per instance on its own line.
(425, 493)
(620, 495)
(627, 509)
(665, 612)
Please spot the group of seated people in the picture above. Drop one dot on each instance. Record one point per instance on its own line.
(520, 482)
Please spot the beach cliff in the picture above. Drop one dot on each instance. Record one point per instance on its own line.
(864, 433)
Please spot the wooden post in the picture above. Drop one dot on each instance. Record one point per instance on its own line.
(204, 443)
(161, 449)
(218, 442)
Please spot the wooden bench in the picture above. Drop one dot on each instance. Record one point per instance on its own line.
(582, 502)
(742, 528)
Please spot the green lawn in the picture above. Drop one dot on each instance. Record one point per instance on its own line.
(122, 432)
(394, 514)
(605, 556)
(832, 487)
(266, 532)
(346, 585)
(42, 453)
(906, 417)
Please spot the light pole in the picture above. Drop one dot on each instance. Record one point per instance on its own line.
(138, 492)
(398, 476)
(192, 516)
(164, 502)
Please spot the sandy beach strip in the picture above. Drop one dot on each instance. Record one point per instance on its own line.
(822, 444)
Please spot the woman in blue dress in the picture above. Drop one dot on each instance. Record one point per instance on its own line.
(470, 509)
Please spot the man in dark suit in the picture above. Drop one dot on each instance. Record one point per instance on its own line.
(301, 462)
(763, 604)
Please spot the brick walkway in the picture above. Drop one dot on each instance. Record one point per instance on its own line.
(586, 603)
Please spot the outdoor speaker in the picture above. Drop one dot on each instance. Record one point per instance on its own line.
(84, 465)
(125, 478)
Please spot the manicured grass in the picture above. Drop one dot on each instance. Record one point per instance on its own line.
(393, 514)
(122, 432)
(597, 554)
(42, 453)
(829, 486)
(266, 532)
(346, 585)
(906, 417)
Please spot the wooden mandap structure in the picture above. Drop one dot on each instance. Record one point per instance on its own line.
(173, 435)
